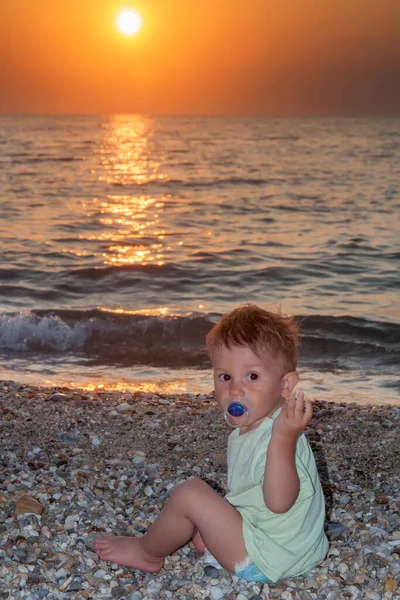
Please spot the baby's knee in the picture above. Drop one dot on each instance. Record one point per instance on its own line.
(189, 490)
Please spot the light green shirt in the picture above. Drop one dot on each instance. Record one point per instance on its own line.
(281, 545)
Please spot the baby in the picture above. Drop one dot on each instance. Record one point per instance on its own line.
(270, 525)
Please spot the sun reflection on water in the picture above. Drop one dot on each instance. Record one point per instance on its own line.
(126, 151)
(175, 386)
(148, 312)
(132, 223)
(136, 386)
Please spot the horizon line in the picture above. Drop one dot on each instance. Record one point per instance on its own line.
(203, 115)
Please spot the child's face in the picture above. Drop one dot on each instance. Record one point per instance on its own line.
(241, 374)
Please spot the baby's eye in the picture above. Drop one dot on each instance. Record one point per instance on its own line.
(252, 376)
(224, 377)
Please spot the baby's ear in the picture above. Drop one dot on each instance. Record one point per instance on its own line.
(289, 382)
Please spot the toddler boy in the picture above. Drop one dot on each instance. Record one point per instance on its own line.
(271, 523)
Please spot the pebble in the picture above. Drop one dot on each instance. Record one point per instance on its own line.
(71, 523)
(81, 490)
(99, 573)
(342, 568)
(216, 592)
(75, 585)
(334, 531)
(124, 407)
(139, 458)
(211, 571)
(372, 595)
(154, 588)
(66, 437)
(57, 397)
(390, 585)
(28, 505)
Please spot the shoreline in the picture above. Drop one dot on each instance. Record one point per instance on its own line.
(106, 461)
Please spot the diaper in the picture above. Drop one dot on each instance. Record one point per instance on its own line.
(245, 570)
(249, 571)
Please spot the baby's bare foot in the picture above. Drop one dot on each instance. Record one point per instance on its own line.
(127, 551)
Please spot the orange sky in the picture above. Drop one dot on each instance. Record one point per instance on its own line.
(201, 57)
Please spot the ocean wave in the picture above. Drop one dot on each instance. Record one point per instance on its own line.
(178, 341)
(201, 183)
(349, 343)
(48, 333)
(107, 337)
(26, 159)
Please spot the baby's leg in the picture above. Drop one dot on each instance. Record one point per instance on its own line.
(198, 542)
(193, 505)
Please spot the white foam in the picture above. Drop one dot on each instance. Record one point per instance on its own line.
(27, 331)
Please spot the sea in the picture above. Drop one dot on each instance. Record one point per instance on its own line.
(124, 238)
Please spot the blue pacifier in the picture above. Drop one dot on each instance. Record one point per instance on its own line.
(237, 415)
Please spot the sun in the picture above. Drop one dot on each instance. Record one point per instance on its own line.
(129, 22)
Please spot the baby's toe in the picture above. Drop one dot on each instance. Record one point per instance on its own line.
(102, 543)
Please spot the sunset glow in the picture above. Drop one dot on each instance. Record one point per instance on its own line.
(182, 57)
(129, 22)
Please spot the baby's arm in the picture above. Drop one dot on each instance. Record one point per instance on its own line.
(281, 481)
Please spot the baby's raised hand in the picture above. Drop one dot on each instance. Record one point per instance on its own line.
(295, 414)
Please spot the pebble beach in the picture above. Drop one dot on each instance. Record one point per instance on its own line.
(76, 464)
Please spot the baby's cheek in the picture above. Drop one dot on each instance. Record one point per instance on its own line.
(261, 386)
(219, 393)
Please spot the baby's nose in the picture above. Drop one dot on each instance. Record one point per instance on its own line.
(236, 389)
